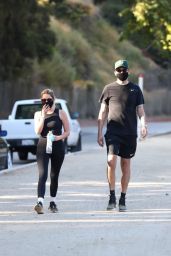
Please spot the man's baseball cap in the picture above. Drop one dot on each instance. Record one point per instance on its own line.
(121, 63)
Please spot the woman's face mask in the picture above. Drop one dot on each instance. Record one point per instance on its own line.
(48, 102)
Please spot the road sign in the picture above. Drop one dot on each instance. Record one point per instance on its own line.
(3, 133)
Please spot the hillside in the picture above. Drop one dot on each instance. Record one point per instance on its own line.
(86, 52)
(82, 63)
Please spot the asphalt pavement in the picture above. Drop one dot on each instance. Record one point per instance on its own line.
(83, 226)
(89, 134)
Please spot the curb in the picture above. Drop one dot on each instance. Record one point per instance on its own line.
(16, 168)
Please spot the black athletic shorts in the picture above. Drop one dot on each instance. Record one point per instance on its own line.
(123, 146)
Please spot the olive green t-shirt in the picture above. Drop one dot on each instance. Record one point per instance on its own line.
(122, 101)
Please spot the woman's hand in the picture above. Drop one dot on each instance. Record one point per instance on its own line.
(52, 137)
(45, 109)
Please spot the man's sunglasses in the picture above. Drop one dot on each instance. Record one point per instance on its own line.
(121, 70)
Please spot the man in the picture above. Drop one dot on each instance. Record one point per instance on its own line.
(121, 102)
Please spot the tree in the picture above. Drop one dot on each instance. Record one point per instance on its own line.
(146, 23)
(25, 35)
(69, 11)
(149, 25)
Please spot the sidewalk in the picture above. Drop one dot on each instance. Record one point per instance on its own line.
(93, 122)
(155, 127)
(83, 226)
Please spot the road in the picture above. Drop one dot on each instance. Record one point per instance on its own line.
(83, 226)
(88, 140)
(89, 135)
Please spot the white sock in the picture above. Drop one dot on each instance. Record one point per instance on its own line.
(40, 199)
(53, 199)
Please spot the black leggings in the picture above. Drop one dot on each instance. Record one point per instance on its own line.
(57, 157)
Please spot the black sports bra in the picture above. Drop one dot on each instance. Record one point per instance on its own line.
(52, 123)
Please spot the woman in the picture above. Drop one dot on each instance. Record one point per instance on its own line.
(49, 119)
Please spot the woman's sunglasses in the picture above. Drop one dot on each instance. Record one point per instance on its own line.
(48, 101)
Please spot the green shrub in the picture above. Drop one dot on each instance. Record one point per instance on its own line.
(56, 72)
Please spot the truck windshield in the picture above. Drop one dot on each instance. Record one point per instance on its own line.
(27, 111)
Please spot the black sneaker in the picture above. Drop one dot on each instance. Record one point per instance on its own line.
(52, 207)
(39, 208)
(112, 203)
(122, 205)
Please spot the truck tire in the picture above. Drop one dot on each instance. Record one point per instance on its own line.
(6, 163)
(66, 146)
(23, 155)
(78, 147)
(12, 155)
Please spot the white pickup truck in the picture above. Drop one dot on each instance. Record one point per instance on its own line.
(20, 127)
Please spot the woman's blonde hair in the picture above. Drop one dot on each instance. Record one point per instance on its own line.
(48, 91)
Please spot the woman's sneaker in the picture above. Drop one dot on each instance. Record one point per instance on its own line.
(112, 203)
(52, 207)
(122, 205)
(39, 208)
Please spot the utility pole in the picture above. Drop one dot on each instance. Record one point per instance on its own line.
(141, 81)
(141, 85)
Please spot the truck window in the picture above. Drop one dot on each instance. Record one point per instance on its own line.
(58, 105)
(27, 111)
